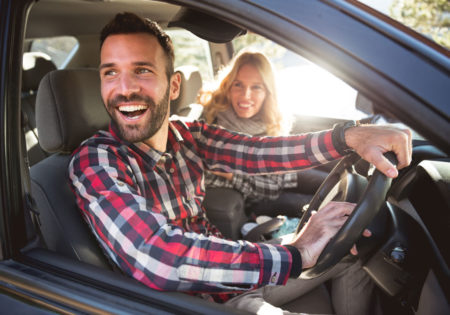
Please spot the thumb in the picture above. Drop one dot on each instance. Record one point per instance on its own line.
(383, 164)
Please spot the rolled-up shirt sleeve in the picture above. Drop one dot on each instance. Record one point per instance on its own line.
(233, 152)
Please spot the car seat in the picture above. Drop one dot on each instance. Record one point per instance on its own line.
(69, 109)
(191, 83)
(37, 66)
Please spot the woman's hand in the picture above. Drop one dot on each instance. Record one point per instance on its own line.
(228, 176)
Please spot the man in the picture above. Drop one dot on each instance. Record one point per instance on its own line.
(140, 185)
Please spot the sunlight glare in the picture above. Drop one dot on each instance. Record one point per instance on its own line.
(310, 90)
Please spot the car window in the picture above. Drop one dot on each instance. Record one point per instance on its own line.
(192, 50)
(303, 87)
(428, 17)
(60, 49)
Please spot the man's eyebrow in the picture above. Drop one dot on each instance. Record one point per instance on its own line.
(137, 63)
(143, 63)
(105, 65)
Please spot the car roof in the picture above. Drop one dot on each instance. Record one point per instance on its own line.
(74, 17)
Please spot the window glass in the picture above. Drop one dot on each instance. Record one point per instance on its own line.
(192, 50)
(428, 17)
(303, 88)
(60, 49)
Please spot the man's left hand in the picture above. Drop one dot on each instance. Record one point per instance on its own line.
(371, 141)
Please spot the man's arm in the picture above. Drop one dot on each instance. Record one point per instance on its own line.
(228, 152)
(231, 152)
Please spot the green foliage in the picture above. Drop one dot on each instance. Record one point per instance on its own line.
(191, 50)
(258, 43)
(429, 17)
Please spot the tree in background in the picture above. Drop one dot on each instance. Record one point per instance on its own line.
(429, 17)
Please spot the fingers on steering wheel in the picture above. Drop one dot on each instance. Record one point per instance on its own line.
(403, 148)
(404, 157)
(383, 164)
(353, 250)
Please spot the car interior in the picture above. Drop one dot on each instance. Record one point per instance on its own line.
(61, 106)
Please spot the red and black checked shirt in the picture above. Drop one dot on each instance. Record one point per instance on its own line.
(145, 206)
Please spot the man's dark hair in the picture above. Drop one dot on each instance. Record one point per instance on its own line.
(130, 23)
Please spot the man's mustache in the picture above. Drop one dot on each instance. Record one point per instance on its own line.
(134, 97)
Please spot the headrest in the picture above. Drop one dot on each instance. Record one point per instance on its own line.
(69, 109)
(191, 82)
(35, 67)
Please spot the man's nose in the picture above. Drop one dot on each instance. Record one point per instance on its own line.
(128, 84)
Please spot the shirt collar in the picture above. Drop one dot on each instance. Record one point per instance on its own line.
(173, 142)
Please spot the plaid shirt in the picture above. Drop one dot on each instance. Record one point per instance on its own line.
(145, 206)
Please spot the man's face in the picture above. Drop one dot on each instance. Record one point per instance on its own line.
(134, 85)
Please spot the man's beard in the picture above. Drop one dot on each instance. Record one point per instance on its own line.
(146, 129)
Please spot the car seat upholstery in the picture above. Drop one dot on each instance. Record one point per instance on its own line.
(69, 109)
(37, 66)
(191, 82)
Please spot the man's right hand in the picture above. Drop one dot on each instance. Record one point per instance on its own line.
(319, 229)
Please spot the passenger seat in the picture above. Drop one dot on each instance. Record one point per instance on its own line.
(191, 83)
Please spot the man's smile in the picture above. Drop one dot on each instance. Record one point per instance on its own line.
(132, 112)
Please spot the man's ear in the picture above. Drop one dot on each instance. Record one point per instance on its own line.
(175, 86)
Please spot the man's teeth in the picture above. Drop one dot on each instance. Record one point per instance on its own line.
(132, 108)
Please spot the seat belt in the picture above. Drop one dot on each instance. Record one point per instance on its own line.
(32, 220)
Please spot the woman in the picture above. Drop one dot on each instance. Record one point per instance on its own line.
(246, 101)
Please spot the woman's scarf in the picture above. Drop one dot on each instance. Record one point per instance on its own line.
(230, 120)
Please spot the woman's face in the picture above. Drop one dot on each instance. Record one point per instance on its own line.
(247, 92)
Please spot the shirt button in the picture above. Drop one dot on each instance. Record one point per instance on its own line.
(274, 278)
(120, 184)
(171, 170)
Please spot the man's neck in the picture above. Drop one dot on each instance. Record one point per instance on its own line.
(159, 140)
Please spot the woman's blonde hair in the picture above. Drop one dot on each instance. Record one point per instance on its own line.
(218, 101)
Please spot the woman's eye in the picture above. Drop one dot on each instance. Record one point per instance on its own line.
(237, 84)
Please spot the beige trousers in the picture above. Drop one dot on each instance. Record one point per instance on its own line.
(352, 293)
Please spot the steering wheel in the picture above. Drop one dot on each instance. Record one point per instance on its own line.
(337, 186)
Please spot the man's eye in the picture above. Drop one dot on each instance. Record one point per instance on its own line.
(142, 70)
(107, 73)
